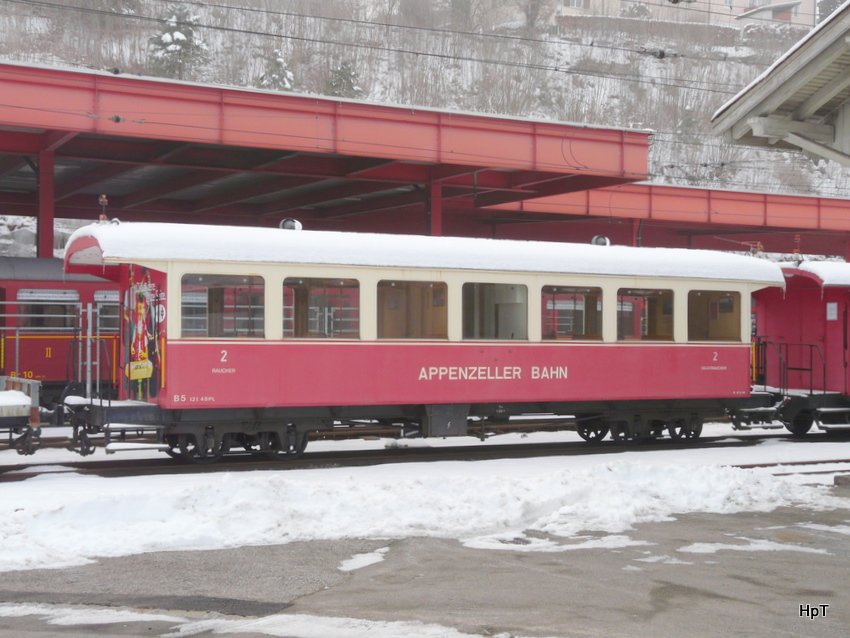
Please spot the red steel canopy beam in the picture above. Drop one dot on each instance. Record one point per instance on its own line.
(90, 102)
(697, 205)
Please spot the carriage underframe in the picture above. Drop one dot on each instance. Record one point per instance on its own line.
(206, 435)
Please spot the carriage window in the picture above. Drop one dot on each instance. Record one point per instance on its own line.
(644, 315)
(714, 316)
(571, 313)
(495, 311)
(412, 310)
(107, 310)
(321, 308)
(218, 306)
(42, 309)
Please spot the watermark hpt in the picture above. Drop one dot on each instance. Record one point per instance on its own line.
(813, 611)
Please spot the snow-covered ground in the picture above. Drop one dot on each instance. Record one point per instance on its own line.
(286, 625)
(550, 504)
(59, 518)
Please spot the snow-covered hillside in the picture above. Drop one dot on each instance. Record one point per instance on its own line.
(620, 72)
(17, 235)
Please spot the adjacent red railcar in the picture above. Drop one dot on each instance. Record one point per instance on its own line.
(254, 337)
(53, 324)
(803, 353)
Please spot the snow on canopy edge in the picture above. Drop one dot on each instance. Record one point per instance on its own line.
(145, 242)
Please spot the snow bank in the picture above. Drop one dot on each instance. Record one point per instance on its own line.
(57, 520)
(288, 625)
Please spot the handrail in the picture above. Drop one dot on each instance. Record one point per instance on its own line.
(79, 360)
(791, 357)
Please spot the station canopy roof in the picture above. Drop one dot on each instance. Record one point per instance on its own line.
(803, 100)
(173, 151)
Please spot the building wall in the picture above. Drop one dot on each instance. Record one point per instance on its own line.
(724, 12)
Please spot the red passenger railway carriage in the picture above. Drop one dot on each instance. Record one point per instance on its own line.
(803, 353)
(254, 337)
(52, 325)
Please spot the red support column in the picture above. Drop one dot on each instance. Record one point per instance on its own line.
(46, 213)
(637, 228)
(435, 214)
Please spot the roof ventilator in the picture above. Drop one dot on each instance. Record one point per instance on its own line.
(291, 224)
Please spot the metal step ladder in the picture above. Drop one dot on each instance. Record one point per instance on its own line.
(832, 427)
(115, 437)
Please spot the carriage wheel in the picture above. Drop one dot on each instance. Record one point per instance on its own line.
(173, 447)
(695, 429)
(291, 446)
(210, 452)
(692, 429)
(592, 432)
(295, 443)
(28, 442)
(82, 439)
(676, 428)
(800, 423)
(620, 432)
(262, 444)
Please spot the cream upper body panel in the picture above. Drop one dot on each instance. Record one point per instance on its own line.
(276, 254)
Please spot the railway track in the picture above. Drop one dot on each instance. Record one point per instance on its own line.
(801, 466)
(119, 466)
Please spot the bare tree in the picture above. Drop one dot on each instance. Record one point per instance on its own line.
(534, 11)
(827, 7)
(467, 15)
(417, 13)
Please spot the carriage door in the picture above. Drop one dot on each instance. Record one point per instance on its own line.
(844, 340)
(4, 323)
(836, 340)
(144, 314)
(105, 319)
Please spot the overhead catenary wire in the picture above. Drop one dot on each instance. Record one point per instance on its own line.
(727, 88)
(657, 141)
(443, 30)
(709, 12)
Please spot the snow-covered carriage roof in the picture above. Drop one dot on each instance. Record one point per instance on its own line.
(148, 243)
(830, 273)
